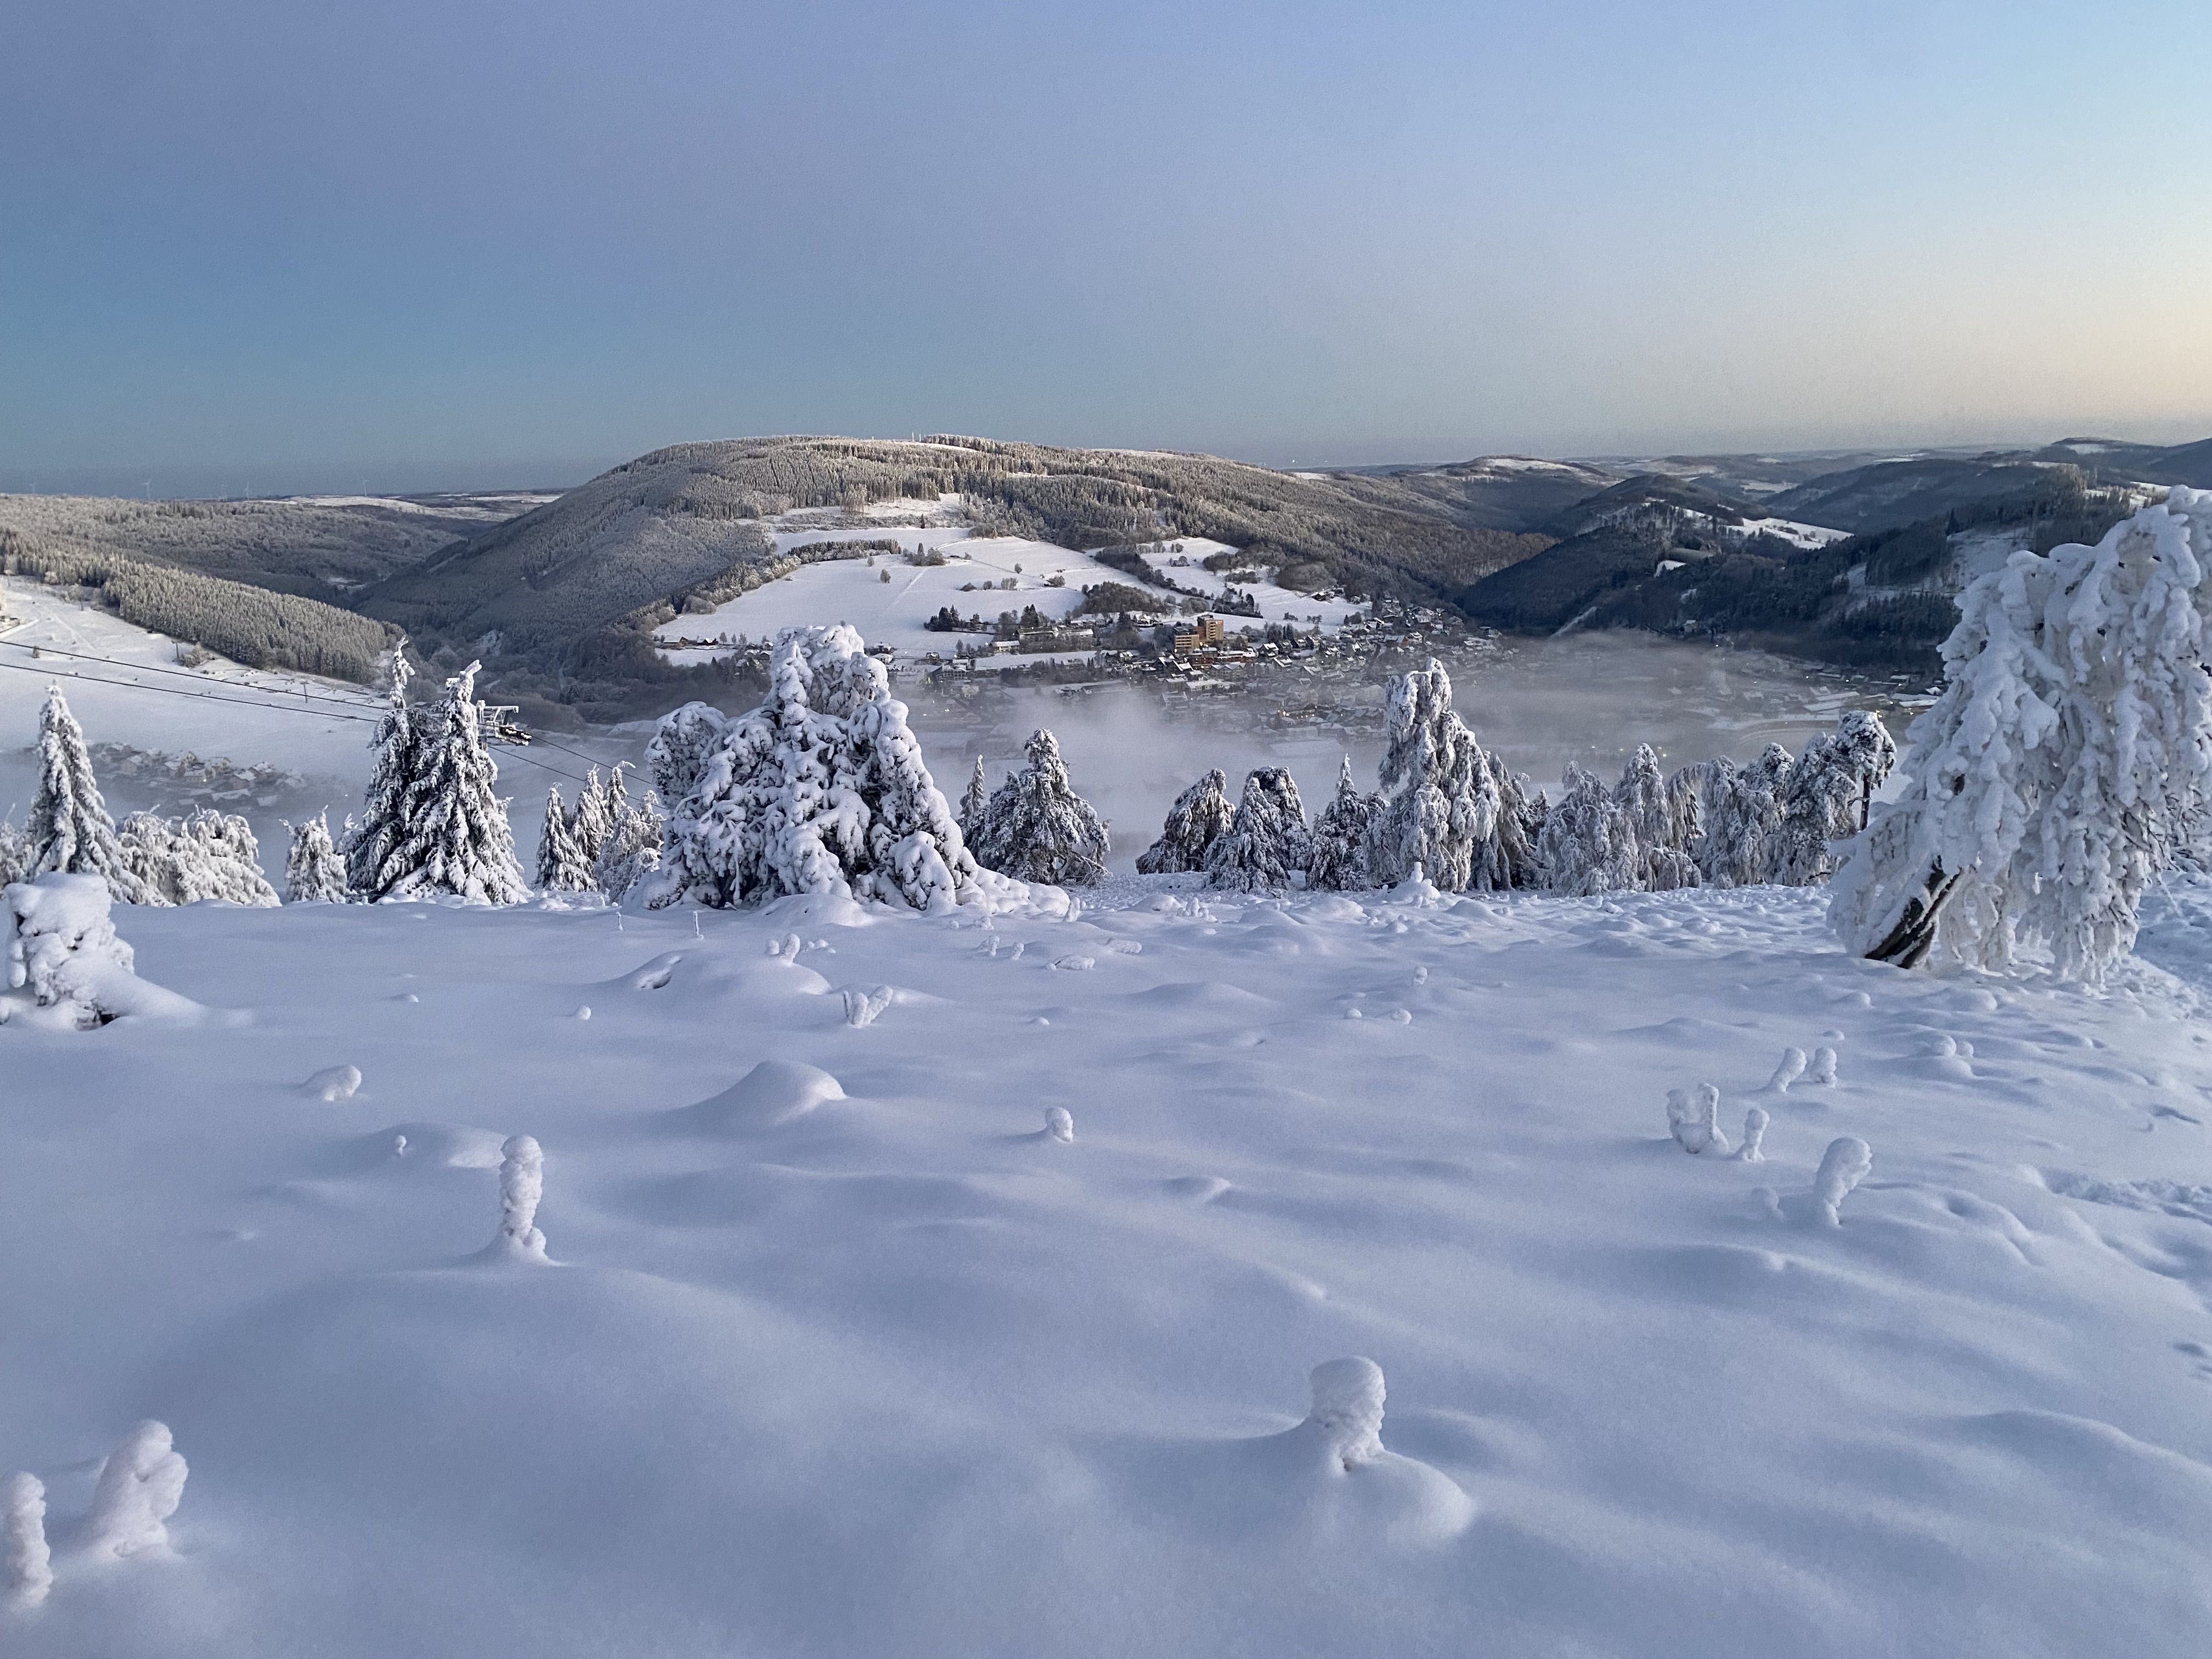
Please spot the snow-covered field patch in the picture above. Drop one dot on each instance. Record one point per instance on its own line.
(846, 1342)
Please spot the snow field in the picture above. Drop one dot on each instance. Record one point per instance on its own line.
(846, 1356)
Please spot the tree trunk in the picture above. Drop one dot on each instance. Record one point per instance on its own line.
(1907, 945)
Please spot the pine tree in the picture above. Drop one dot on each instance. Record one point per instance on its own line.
(822, 789)
(1267, 840)
(1440, 802)
(1037, 828)
(1657, 815)
(974, 803)
(313, 871)
(70, 830)
(15, 854)
(562, 867)
(1199, 816)
(382, 830)
(459, 842)
(594, 819)
(632, 850)
(2065, 765)
(208, 856)
(1589, 843)
(1340, 838)
(682, 744)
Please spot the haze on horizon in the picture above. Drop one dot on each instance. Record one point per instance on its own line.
(406, 245)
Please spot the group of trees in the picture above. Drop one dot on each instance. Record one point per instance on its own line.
(605, 843)
(1451, 812)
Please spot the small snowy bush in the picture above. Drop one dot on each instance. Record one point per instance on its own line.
(1059, 1123)
(63, 948)
(30, 1563)
(1039, 829)
(208, 856)
(1754, 1136)
(1843, 1167)
(1200, 817)
(313, 871)
(2064, 766)
(522, 1185)
(1787, 1071)
(1823, 1068)
(139, 1488)
(1348, 1409)
(1694, 1120)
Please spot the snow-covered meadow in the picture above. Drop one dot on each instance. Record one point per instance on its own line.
(847, 1352)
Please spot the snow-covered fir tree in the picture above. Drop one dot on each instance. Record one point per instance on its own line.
(1200, 815)
(975, 802)
(594, 819)
(374, 838)
(1655, 815)
(1589, 843)
(1338, 863)
(1267, 840)
(1827, 793)
(682, 744)
(1509, 860)
(14, 852)
(2062, 768)
(1741, 819)
(1439, 803)
(459, 841)
(208, 856)
(69, 830)
(313, 871)
(632, 851)
(822, 789)
(1037, 828)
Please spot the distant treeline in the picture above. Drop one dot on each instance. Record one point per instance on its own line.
(250, 625)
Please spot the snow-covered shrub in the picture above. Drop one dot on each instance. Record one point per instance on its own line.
(30, 1563)
(64, 950)
(1059, 1123)
(1754, 1136)
(139, 1488)
(562, 865)
(69, 830)
(1823, 1068)
(682, 744)
(822, 789)
(1200, 817)
(2061, 769)
(458, 842)
(1037, 828)
(1790, 1068)
(313, 871)
(1843, 1167)
(1439, 804)
(1268, 838)
(522, 1185)
(1339, 860)
(209, 855)
(1694, 1120)
(1589, 843)
(1348, 1409)
(864, 1007)
(373, 840)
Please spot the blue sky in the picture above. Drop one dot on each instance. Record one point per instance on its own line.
(252, 245)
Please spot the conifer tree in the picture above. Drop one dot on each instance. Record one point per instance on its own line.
(1588, 843)
(313, 871)
(1265, 841)
(975, 802)
(1340, 838)
(372, 840)
(458, 840)
(1037, 828)
(69, 830)
(593, 820)
(1200, 815)
(1440, 803)
(562, 867)
(15, 853)
(681, 746)
(632, 850)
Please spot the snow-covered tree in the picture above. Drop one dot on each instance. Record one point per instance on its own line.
(822, 789)
(313, 871)
(594, 819)
(1340, 833)
(69, 830)
(1430, 808)
(61, 946)
(562, 865)
(975, 802)
(1657, 814)
(521, 1186)
(139, 1488)
(1509, 860)
(1742, 818)
(1826, 794)
(1200, 815)
(30, 1563)
(1037, 828)
(2063, 765)
(459, 841)
(1267, 840)
(209, 855)
(1589, 843)
(16, 853)
(682, 743)
(373, 839)
(632, 851)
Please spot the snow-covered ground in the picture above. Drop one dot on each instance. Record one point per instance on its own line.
(1791, 531)
(879, 1366)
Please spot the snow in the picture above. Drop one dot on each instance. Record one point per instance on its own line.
(1791, 531)
(843, 1356)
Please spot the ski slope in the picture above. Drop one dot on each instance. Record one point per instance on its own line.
(847, 1354)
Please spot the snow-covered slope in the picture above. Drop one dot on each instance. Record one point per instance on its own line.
(849, 1354)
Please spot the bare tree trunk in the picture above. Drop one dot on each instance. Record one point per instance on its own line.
(1907, 945)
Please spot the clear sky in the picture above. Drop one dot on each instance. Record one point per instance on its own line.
(251, 245)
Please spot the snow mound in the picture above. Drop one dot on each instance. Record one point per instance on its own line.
(775, 1093)
(333, 1083)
